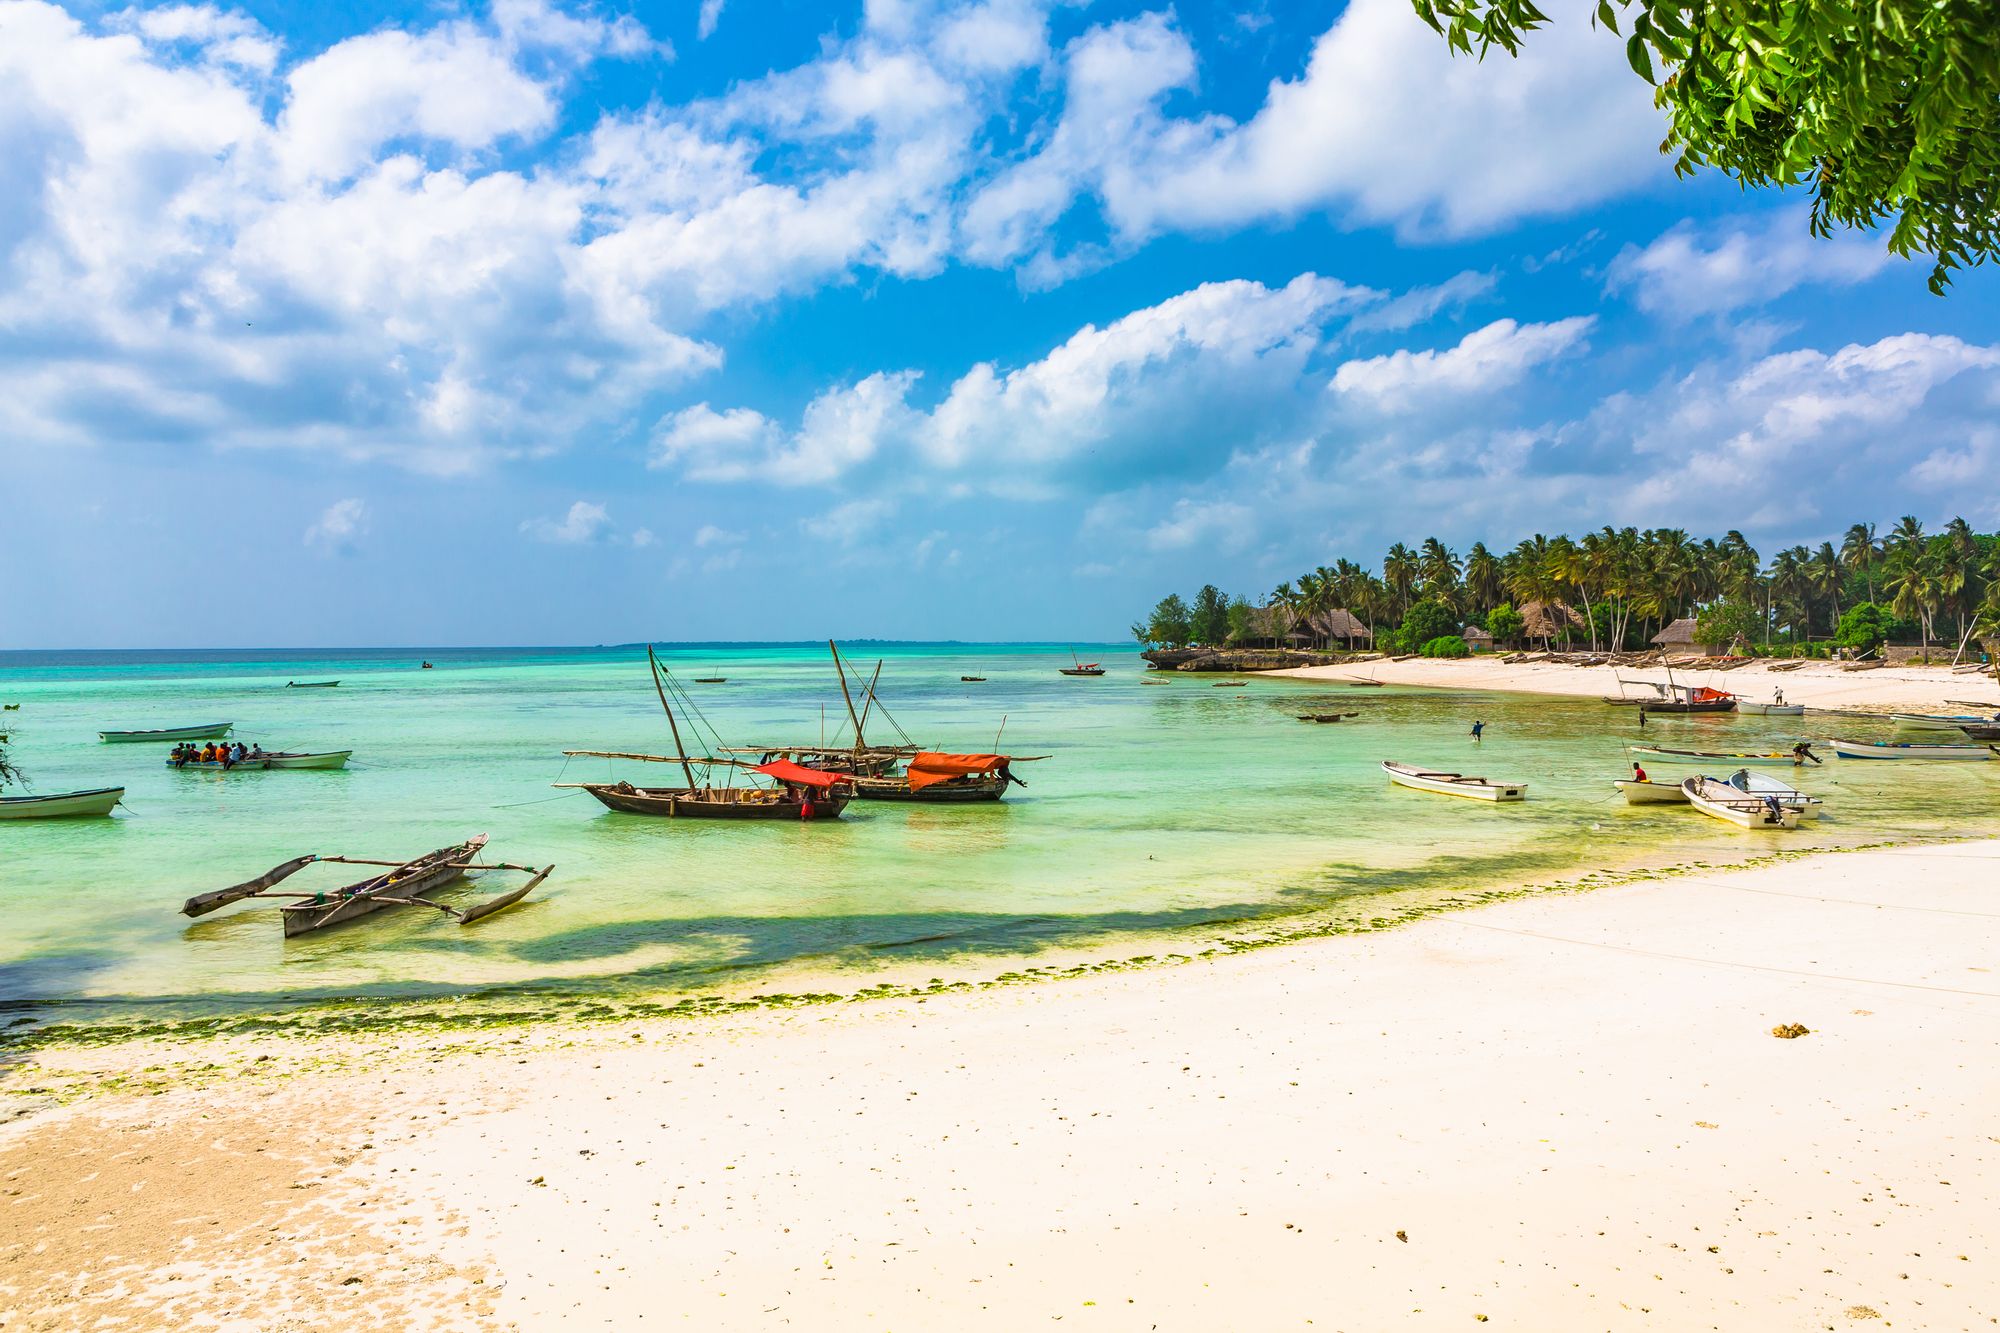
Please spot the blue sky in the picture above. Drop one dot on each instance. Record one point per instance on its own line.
(527, 323)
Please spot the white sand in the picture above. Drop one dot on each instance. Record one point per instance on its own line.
(1571, 1106)
(1817, 685)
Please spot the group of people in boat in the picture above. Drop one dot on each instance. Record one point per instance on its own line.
(213, 752)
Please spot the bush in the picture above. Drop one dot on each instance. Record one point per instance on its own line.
(1446, 645)
(1426, 621)
(1720, 624)
(1505, 623)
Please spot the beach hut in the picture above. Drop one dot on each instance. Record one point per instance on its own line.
(1478, 639)
(1326, 626)
(1546, 622)
(1678, 638)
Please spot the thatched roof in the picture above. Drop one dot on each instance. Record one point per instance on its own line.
(1679, 634)
(1547, 620)
(1338, 625)
(1475, 634)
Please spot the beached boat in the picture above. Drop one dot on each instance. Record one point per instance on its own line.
(945, 779)
(1656, 697)
(1947, 723)
(206, 732)
(403, 884)
(1799, 754)
(61, 805)
(1847, 749)
(799, 793)
(1452, 784)
(1325, 717)
(1763, 784)
(1650, 792)
(1719, 800)
(270, 759)
(1227, 684)
(1981, 731)
(311, 684)
(1744, 706)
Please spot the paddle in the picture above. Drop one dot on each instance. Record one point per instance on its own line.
(203, 903)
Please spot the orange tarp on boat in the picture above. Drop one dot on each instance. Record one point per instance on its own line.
(926, 768)
(1704, 695)
(784, 770)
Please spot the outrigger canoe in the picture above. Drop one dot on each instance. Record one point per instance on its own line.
(61, 805)
(207, 732)
(405, 884)
(1908, 750)
(1453, 784)
(1798, 754)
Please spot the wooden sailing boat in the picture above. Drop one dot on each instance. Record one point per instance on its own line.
(404, 884)
(1081, 668)
(801, 793)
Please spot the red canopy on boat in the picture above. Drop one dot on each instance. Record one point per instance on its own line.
(1701, 694)
(784, 770)
(928, 767)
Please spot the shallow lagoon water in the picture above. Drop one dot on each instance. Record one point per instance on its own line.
(1170, 806)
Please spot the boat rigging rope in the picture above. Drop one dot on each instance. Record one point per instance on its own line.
(868, 690)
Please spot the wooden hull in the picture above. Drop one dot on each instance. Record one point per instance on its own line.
(438, 870)
(1771, 710)
(1081, 671)
(712, 802)
(61, 805)
(1454, 784)
(1677, 705)
(209, 732)
(311, 684)
(956, 791)
(1927, 722)
(331, 759)
(1745, 812)
(1650, 793)
(1896, 750)
(1708, 760)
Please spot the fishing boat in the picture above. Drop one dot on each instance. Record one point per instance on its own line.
(426, 666)
(1847, 749)
(1453, 784)
(1650, 792)
(945, 779)
(711, 680)
(1227, 684)
(258, 762)
(973, 680)
(311, 684)
(1763, 784)
(1325, 717)
(61, 805)
(1770, 710)
(1981, 731)
(1082, 669)
(10, 708)
(1949, 723)
(1802, 753)
(1719, 800)
(206, 732)
(1671, 698)
(1360, 684)
(799, 793)
(403, 884)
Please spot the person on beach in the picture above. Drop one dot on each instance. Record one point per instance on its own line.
(1477, 729)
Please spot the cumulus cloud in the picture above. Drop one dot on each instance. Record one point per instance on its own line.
(584, 523)
(850, 522)
(711, 14)
(1691, 271)
(338, 525)
(1487, 359)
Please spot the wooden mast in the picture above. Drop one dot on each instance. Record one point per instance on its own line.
(679, 749)
(852, 716)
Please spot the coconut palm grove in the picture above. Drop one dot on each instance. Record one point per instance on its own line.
(1615, 588)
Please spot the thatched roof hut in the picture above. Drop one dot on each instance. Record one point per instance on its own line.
(1270, 625)
(1678, 637)
(1331, 625)
(1549, 620)
(1477, 638)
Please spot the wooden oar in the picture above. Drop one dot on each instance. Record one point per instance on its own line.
(203, 903)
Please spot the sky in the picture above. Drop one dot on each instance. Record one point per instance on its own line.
(527, 322)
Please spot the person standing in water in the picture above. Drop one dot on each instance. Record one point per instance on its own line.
(1477, 729)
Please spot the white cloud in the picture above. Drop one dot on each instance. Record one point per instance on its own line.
(339, 525)
(849, 523)
(1487, 359)
(1689, 271)
(710, 535)
(1220, 525)
(221, 36)
(1420, 305)
(584, 523)
(711, 14)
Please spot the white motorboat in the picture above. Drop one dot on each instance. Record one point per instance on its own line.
(1650, 792)
(1770, 710)
(1939, 722)
(1453, 784)
(1908, 750)
(1719, 800)
(61, 805)
(1763, 784)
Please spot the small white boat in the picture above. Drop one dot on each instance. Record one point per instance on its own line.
(1770, 710)
(61, 805)
(1907, 750)
(1718, 799)
(1763, 784)
(1938, 722)
(1798, 754)
(1453, 784)
(203, 732)
(1650, 792)
(324, 759)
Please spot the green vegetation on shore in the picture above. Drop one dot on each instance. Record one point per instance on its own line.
(1615, 588)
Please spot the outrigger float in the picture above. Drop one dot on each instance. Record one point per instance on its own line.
(404, 884)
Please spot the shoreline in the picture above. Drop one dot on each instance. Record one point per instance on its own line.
(1230, 1142)
(1817, 685)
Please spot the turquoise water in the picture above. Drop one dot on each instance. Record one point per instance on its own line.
(1170, 806)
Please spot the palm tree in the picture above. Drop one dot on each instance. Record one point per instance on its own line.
(1438, 568)
(1285, 612)
(1825, 573)
(1484, 578)
(1568, 563)
(1530, 579)
(1914, 593)
(1858, 551)
(1399, 571)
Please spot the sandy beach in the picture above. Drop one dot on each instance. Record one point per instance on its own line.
(1816, 685)
(1563, 1112)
